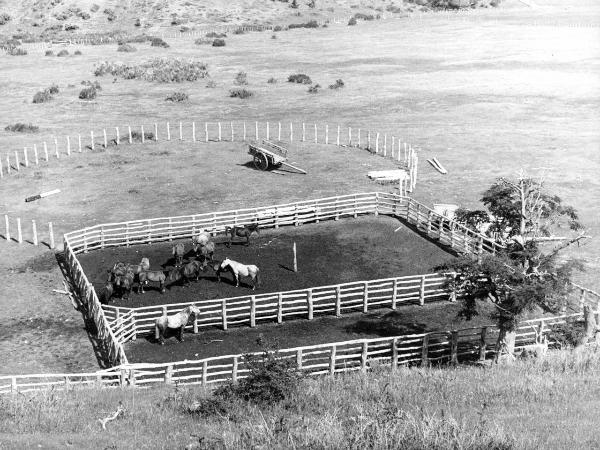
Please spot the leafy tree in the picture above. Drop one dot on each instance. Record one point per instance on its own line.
(527, 274)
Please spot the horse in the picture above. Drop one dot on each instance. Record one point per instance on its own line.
(178, 320)
(125, 283)
(178, 251)
(241, 231)
(239, 269)
(187, 272)
(206, 253)
(156, 276)
(142, 266)
(201, 240)
(120, 269)
(109, 290)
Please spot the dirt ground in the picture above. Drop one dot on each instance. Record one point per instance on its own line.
(487, 93)
(327, 253)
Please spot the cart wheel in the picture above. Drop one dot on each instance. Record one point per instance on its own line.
(261, 162)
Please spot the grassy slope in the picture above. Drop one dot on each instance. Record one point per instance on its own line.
(534, 404)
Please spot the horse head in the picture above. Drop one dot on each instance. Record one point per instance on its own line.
(175, 273)
(145, 263)
(194, 310)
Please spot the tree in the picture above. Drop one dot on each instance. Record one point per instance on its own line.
(527, 274)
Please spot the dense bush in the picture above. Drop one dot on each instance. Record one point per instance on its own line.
(311, 24)
(16, 51)
(94, 84)
(314, 88)
(22, 128)
(49, 53)
(5, 18)
(158, 42)
(277, 28)
(339, 83)
(42, 97)
(352, 21)
(77, 53)
(71, 27)
(299, 78)
(127, 48)
(52, 89)
(567, 335)
(63, 52)
(214, 34)
(218, 43)
(240, 93)
(241, 78)
(177, 97)
(162, 70)
(88, 93)
(203, 41)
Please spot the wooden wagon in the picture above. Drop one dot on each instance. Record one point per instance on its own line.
(267, 154)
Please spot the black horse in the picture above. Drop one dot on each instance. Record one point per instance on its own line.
(244, 231)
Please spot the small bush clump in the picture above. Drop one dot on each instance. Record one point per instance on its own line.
(203, 41)
(22, 128)
(162, 70)
(277, 28)
(16, 51)
(127, 48)
(339, 83)
(272, 80)
(137, 136)
(63, 52)
(362, 16)
(567, 335)
(77, 53)
(94, 84)
(45, 95)
(218, 43)
(177, 97)
(52, 89)
(211, 84)
(158, 42)
(5, 18)
(88, 93)
(311, 24)
(214, 34)
(299, 78)
(49, 53)
(239, 31)
(240, 93)
(241, 78)
(352, 21)
(314, 88)
(71, 27)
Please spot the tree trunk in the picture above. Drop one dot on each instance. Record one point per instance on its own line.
(591, 327)
(505, 346)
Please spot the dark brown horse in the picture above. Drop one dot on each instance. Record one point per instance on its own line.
(185, 273)
(244, 231)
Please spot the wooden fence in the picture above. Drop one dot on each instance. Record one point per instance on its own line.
(469, 344)
(20, 231)
(383, 144)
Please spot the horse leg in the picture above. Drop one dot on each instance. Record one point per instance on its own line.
(181, 332)
(162, 287)
(237, 280)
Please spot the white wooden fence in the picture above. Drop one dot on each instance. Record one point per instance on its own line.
(454, 346)
(28, 231)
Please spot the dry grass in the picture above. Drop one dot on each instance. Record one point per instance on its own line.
(502, 407)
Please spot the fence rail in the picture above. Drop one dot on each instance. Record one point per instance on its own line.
(469, 344)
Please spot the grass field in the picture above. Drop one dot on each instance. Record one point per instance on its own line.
(487, 93)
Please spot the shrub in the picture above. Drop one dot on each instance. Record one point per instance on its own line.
(127, 48)
(239, 31)
(314, 88)
(63, 52)
(71, 27)
(137, 23)
(352, 21)
(94, 84)
(567, 334)
(338, 84)
(158, 42)
(218, 43)
(162, 70)
(203, 41)
(42, 97)
(393, 9)
(16, 51)
(22, 128)
(5, 18)
(214, 34)
(241, 78)
(94, 7)
(361, 16)
(211, 84)
(273, 36)
(299, 78)
(277, 28)
(77, 53)
(177, 97)
(52, 89)
(88, 93)
(49, 53)
(272, 80)
(137, 136)
(240, 93)
(311, 24)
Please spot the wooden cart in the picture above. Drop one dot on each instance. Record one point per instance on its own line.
(267, 154)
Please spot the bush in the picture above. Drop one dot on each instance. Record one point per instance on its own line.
(158, 42)
(77, 53)
(277, 28)
(361, 16)
(311, 24)
(211, 84)
(273, 36)
(314, 88)
(71, 27)
(63, 52)
(88, 93)
(127, 48)
(137, 23)
(52, 89)
(241, 79)
(177, 97)
(94, 84)
(338, 84)
(42, 97)
(299, 78)
(214, 34)
(393, 9)
(240, 93)
(49, 53)
(94, 7)
(5, 18)
(16, 51)
(162, 70)
(239, 31)
(218, 43)
(567, 334)
(203, 41)
(137, 136)
(22, 128)
(272, 80)
(352, 21)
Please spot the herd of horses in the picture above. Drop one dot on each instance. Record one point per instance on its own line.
(122, 277)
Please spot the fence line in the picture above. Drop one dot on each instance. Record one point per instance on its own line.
(28, 231)
(440, 347)
(382, 144)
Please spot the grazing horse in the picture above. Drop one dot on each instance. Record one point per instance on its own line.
(156, 276)
(187, 272)
(178, 252)
(178, 320)
(239, 269)
(244, 231)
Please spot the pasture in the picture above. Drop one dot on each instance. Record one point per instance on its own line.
(443, 83)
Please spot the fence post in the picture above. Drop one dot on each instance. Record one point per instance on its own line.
(338, 136)
(454, 347)
(422, 291)
(168, 374)
(25, 157)
(78, 144)
(253, 311)
(363, 356)
(369, 140)
(8, 163)
(291, 132)
(279, 307)
(206, 131)
(316, 140)
(181, 131)
(394, 353)
(244, 132)
(18, 164)
(130, 138)
(393, 145)
(219, 125)
(56, 147)
(338, 301)
(168, 131)
(155, 132)
(51, 234)
(358, 138)
(256, 131)
(1, 171)
(7, 227)
(480, 249)
(303, 132)
(326, 134)
(117, 139)
(13, 384)
(268, 133)
(309, 299)
(193, 131)
(581, 298)
(195, 329)
(234, 370)
(204, 373)
(105, 138)
(365, 297)
(224, 314)
(143, 137)
(332, 360)
(279, 131)
(425, 351)
(19, 232)
(453, 293)
(123, 377)
(34, 229)
(299, 359)
(394, 294)
(385, 145)
(428, 223)
(482, 344)
(45, 153)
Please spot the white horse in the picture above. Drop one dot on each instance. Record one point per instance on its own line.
(201, 239)
(239, 269)
(178, 320)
